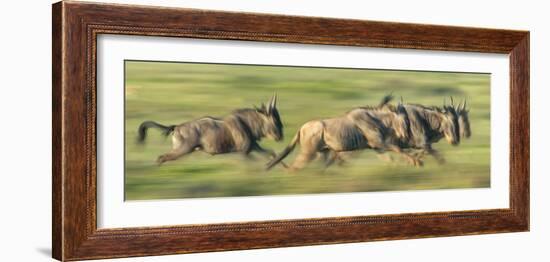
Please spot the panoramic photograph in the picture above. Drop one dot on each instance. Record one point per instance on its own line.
(200, 130)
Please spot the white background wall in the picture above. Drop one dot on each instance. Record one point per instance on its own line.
(25, 150)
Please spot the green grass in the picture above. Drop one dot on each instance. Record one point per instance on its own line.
(172, 93)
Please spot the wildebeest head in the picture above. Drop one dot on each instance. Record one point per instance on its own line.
(463, 120)
(271, 125)
(449, 123)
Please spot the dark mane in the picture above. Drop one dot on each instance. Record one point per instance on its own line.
(243, 110)
(390, 107)
(260, 110)
(383, 105)
(210, 117)
(433, 108)
(252, 121)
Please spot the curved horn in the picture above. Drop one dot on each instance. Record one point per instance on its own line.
(270, 104)
(275, 101)
(452, 102)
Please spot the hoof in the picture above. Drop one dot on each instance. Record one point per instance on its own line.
(417, 163)
(160, 160)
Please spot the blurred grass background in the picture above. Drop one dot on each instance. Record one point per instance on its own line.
(173, 93)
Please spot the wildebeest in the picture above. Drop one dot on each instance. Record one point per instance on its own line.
(379, 128)
(430, 123)
(238, 132)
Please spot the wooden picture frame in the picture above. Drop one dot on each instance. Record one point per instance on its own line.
(76, 26)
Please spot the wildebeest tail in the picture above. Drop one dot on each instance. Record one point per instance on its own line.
(285, 152)
(142, 130)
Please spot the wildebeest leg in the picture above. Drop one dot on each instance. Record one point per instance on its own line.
(418, 153)
(342, 157)
(180, 147)
(341, 160)
(329, 157)
(302, 160)
(311, 142)
(438, 157)
(385, 157)
(376, 141)
(270, 154)
(248, 156)
(414, 161)
(175, 154)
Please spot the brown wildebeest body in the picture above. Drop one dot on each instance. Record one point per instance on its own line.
(428, 125)
(365, 127)
(238, 132)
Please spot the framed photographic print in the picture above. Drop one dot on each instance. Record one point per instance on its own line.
(181, 130)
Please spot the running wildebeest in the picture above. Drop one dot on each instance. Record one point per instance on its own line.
(425, 125)
(379, 128)
(428, 125)
(238, 132)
